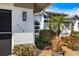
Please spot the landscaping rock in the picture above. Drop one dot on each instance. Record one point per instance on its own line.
(46, 53)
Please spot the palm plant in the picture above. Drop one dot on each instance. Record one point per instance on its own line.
(56, 23)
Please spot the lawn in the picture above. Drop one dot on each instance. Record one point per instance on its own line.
(75, 34)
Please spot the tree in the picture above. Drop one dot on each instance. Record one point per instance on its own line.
(56, 23)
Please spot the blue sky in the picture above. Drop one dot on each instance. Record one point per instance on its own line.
(64, 8)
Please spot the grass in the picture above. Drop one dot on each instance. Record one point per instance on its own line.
(75, 34)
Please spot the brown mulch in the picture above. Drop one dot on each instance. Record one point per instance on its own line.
(71, 39)
(69, 52)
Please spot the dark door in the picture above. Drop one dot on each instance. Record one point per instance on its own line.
(5, 32)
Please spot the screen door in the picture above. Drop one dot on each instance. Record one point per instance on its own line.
(5, 32)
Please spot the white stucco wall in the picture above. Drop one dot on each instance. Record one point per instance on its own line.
(18, 26)
(40, 19)
(76, 26)
(37, 18)
(42, 22)
(23, 31)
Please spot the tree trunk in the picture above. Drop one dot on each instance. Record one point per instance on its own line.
(56, 43)
(58, 31)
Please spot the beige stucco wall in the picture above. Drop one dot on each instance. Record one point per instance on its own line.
(6, 4)
(22, 5)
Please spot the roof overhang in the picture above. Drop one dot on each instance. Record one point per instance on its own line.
(72, 17)
(55, 13)
(40, 6)
(37, 7)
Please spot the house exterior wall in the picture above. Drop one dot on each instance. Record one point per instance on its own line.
(22, 31)
(42, 22)
(6, 4)
(24, 5)
(65, 32)
(21, 5)
(40, 19)
(37, 18)
(76, 26)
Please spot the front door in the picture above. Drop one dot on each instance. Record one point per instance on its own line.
(5, 32)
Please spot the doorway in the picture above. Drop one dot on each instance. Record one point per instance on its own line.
(5, 32)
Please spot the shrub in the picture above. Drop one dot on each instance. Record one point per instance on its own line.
(43, 39)
(75, 32)
(25, 50)
(46, 35)
(40, 44)
(76, 36)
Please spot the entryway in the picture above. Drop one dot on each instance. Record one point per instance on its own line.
(5, 32)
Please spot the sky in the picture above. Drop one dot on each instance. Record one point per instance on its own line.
(68, 8)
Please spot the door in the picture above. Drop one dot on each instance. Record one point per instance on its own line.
(5, 32)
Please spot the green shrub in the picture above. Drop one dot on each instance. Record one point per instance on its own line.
(75, 34)
(43, 39)
(46, 35)
(25, 50)
(39, 44)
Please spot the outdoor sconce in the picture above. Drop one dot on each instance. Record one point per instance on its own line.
(24, 15)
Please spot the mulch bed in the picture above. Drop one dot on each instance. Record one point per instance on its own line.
(71, 42)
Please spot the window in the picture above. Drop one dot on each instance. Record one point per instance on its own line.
(24, 15)
(36, 31)
(37, 26)
(45, 16)
(37, 23)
